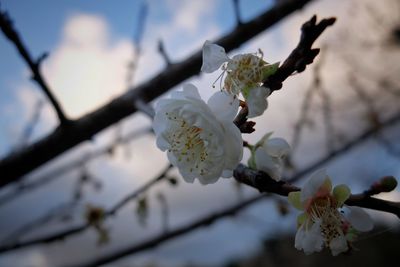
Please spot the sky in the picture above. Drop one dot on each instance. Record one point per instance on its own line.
(90, 46)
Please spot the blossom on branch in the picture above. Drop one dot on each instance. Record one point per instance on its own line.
(245, 74)
(268, 155)
(201, 139)
(322, 223)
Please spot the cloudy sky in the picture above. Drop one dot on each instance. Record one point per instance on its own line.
(90, 46)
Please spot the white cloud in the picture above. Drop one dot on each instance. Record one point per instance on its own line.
(87, 68)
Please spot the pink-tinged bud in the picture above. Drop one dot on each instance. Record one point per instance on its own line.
(385, 184)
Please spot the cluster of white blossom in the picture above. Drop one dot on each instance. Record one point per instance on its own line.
(322, 222)
(203, 142)
(200, 138)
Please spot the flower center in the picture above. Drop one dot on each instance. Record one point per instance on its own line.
(187, 144)
(324, 209)
(244, 72)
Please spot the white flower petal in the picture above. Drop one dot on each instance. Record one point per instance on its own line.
(278, 147)
(197, 142)
(257, 101)
(314, 240)
(338, 245)
(213, 57)
(227, 174)
(313, 184)
(233, 146)
(309, 240)
(190, 91)
(224, 106)
(270, 165)
(359, 219)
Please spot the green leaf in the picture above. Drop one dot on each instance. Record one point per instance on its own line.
(341, 193)
(294, 200)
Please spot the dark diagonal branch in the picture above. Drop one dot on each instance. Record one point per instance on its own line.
(9, 31)
(15, 165)
(302, 55)
(151, 243)
(57, 173)
(80, 228)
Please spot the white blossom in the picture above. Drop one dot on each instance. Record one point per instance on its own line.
(321, 218)
(270, 154)
(245, 74)
(200, 139)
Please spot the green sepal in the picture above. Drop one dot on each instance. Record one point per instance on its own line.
(270, 70)
(341, 193)
(295, 201)
(251, 162)
(301, 219)
(263, 139)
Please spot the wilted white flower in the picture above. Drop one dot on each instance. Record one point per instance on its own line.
(321, 223)
(269, 156)
(200, 139)
(245, 74)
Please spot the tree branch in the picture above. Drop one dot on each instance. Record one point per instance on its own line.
(77, 229)
(57, 173)
(151, 243)
(302, 55)
(7, 28)
(15, 165)
(250, 177)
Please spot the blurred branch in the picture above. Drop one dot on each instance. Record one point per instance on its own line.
(80, 228)
(253, 178)
(17, 164)
(57, 173)
(164, 55)
(153, 242)
(9, 31)
(57, 212)
(237, 12)
(33, 121)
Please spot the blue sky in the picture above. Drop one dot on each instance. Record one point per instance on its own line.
(90, 43)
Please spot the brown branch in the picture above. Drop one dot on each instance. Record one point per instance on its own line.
(244, 175)
(297, 61)
(58, 172)
(15, 165)
(78, 229)
(265, 184)
(153, 242)
(302, 55)
(9, 31)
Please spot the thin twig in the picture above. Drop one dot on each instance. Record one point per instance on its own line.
(78, 229)
(9, 31)
(148, 244)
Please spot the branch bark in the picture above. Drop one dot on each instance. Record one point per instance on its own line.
(17, 164)
(246, 176)
(11, 33)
